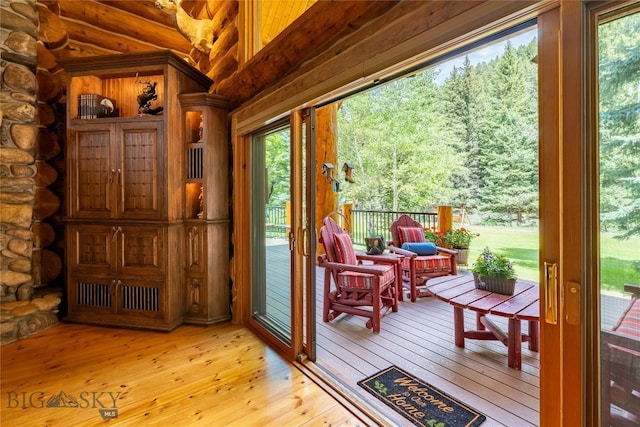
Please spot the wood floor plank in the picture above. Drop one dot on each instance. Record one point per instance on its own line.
(191, 376)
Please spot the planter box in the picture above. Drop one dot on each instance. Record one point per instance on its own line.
(463, 256)
(499, 285)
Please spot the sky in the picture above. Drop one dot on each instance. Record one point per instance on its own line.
(484, 54)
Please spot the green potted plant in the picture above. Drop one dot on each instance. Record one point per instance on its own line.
(459, 239)
(494, 273)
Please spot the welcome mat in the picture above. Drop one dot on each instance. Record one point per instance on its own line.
(419, 402)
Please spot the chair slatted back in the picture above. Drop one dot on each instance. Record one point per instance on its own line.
(403, 220)
(328, 229)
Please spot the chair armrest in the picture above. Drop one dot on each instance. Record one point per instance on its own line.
(379, 259)
(402, 252)
(349, 267)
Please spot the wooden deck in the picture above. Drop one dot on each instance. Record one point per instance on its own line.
(420, 339)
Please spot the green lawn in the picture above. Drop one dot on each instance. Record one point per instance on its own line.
(521, 246)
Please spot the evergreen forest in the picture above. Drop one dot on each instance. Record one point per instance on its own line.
(472, 141)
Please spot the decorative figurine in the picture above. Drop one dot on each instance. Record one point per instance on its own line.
(147, 95)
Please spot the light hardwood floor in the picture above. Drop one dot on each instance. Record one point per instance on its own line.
(194, 376)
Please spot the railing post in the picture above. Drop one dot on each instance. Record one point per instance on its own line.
(346, 211)
(445, 218)
(287, 213)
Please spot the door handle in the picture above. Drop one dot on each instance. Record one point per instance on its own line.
(303, 248)
(551, 292)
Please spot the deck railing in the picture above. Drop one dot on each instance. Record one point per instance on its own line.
(365, 223)
(361, 223)
(276, 221)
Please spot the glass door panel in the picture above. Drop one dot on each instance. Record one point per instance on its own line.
(271, 281)
(618, 47)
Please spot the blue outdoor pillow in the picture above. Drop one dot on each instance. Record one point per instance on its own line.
(421, 248)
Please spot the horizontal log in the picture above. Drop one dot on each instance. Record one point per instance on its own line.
(43, 234)
(76, 49)
(228, 38)
(143, 9)
(53, 32)
(48, 88)
(323, 23)
(46, 114)
(89, 34)
(117, 21)
(225, 14)
(224, 67)
(47, 266)
(46, 174)
(46, 59)
(46, 203)
(48, 145)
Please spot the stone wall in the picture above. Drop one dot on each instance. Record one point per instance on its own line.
(27, 146)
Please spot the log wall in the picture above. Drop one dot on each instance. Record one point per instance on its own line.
(26, 305)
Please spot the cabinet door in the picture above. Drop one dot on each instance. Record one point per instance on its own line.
(141, 299)
(141, 251)
(91, 249)
(92, 171)
(91, 295)
(140, 176)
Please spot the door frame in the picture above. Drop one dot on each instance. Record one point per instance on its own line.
(562, 26)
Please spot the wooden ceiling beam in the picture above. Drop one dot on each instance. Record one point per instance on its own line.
(323, 23)
(116, 21)
(76, 49)
(142, 9)
(88, 34)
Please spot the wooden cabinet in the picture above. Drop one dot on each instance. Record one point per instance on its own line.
(115, 169)
(207, 208)
(126, 210)
(119, 274)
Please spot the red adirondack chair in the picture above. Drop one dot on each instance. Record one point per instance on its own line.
(417, 269)
(354, 282)
(621, 367)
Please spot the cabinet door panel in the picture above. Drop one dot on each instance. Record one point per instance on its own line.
(141, 298)
(139, 173)
(91, 249)
(196, 248)
(92, 172)
(92, 295)
(142, 250)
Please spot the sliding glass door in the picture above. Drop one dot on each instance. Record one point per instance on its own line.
(282, 272)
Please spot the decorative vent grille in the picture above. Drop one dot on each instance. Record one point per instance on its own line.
(93, 294)
(194, 162)
(139, 298)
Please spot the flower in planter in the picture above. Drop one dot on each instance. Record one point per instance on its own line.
(493, 265)
(434, 236)
(459, 238)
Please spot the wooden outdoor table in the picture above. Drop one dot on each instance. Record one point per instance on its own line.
(460, 292)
